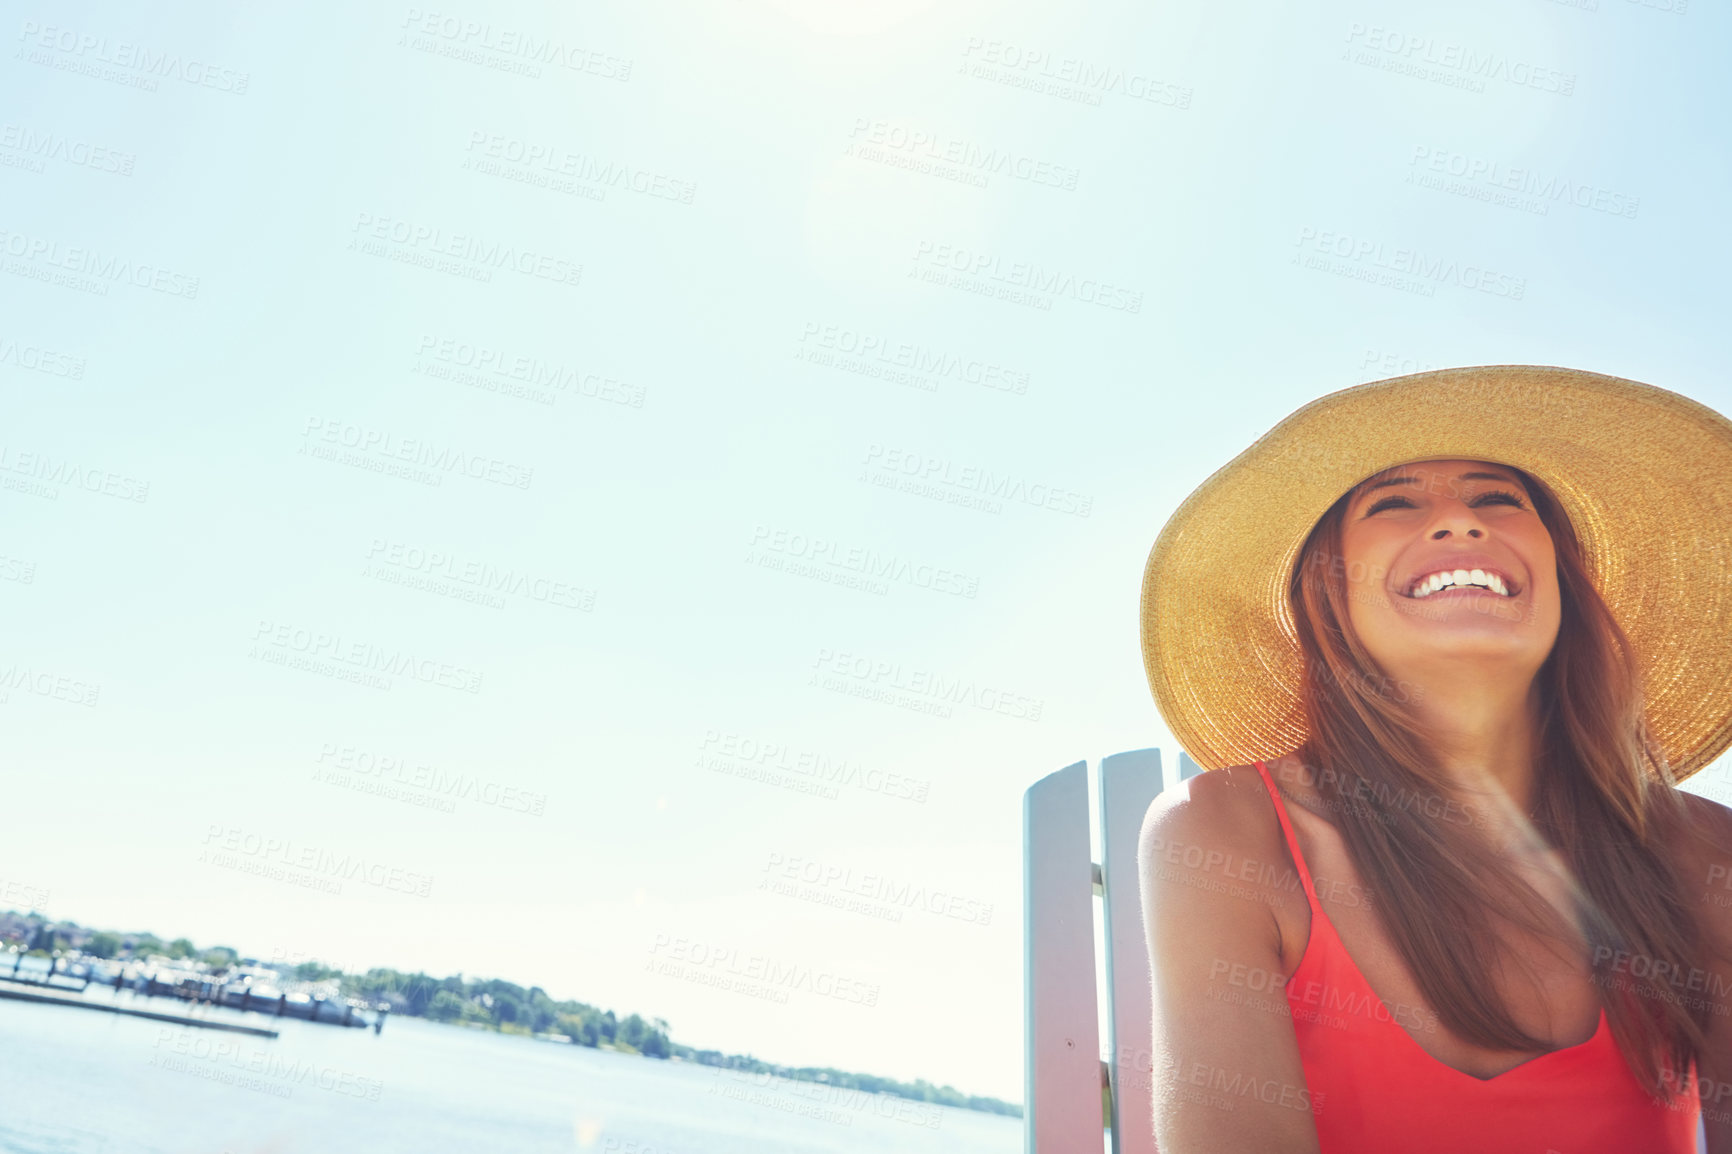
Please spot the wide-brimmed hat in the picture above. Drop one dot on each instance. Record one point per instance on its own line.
(1645, 476)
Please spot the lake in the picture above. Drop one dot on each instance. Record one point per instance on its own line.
(77, 1082)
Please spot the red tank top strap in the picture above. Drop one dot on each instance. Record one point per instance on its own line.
(1292, 842)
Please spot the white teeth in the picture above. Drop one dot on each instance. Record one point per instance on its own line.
(1449, 578)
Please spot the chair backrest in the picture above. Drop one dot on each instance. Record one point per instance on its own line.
(1064, 1075)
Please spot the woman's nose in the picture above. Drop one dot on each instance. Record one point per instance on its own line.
(1456, 517)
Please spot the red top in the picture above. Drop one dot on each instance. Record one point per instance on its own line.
(1381, 1092)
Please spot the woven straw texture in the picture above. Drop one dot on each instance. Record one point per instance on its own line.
(1644, 474)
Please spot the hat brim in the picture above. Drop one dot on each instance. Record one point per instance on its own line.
(1644, 474)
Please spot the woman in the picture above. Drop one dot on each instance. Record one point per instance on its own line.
(1448, 643)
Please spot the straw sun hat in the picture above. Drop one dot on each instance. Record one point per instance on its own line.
(1645, 476)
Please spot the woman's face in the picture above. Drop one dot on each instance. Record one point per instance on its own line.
(1410, 536)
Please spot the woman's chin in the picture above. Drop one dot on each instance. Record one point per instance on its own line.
(1456, 627)
(1470, 637)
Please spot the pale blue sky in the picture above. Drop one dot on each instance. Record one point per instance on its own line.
(653, 628)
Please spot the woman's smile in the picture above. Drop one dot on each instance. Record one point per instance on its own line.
(1461, 575)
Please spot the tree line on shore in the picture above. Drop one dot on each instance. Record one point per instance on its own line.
(509, 1007)
(490, 1003)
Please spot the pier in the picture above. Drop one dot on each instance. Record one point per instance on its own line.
(18, 992)
(76, 984)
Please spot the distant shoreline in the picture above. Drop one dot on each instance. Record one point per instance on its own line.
(491, 1004)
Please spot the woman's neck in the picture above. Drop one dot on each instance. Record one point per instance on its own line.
(1485, 735)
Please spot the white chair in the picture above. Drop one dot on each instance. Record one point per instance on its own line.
(1066, 1085)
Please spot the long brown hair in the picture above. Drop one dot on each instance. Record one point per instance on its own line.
(1605, 799)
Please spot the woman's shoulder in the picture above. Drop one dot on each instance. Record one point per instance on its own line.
(1221, 811)
(1213, 868)
(1705, 812)
(1702, 862)
(1707, 847)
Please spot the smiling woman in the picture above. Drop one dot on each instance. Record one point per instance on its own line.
(1449, 686)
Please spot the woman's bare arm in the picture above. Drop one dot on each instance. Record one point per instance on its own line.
(1227, 1073)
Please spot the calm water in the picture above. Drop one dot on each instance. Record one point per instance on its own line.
(77, 1082)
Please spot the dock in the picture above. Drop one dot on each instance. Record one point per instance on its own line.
(20, 992)
(73, 986)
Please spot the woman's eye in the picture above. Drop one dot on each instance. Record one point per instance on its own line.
(1389, 503)
(1501, 497)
